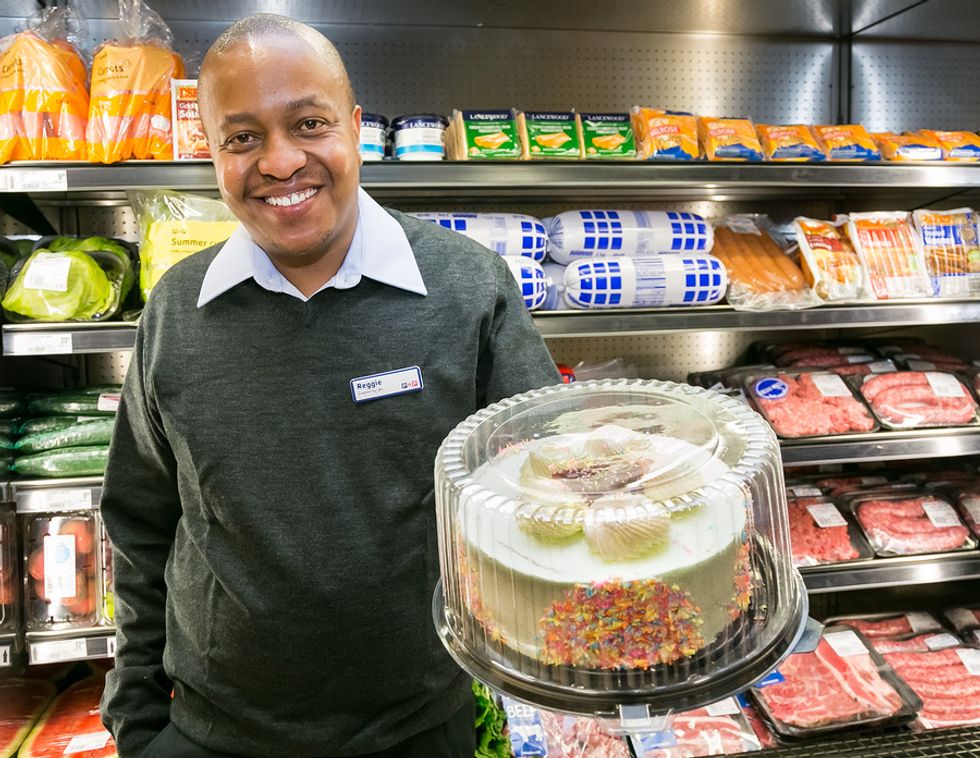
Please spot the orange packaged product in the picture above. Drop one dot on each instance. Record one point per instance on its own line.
(43, 92)
(957, 146)
(908, 147)
(761, 276)
(846, 142)
(794, 142)
(830, 264)
(890, 253)
(665, 135)
(729, 139)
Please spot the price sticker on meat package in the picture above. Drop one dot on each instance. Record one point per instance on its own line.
(941, 641)
(726, 707)
(846, 644)
(805, 491)
(84, 743)
(922, 622)
(830, 385)
(941, 515)
(944, 385)
(971, 659)
(826, 515)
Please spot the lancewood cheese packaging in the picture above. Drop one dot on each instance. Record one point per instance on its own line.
(483, 135)
(547, 134)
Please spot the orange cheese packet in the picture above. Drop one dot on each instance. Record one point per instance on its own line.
(846, 142)
(729, 139)
(794, 142)
(957, 146)
(908, 147)
(665, 135)
(43, 100)
(129, 108)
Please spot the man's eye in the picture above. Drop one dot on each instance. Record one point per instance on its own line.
(310, 124)
(243, 138)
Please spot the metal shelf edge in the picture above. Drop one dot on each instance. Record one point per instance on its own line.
(69, 645)
(884, 446)
(892, 572)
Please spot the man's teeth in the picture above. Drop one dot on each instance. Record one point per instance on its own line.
(296, 197)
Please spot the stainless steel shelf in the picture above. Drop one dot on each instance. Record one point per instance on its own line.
(892, 572)
(67, 339)
(71, 645)
(883, 446)
(39, 495)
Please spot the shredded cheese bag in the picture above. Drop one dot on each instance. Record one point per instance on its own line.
(794, 142)
(847, 142)
(129, 108)
(665, 135)
(729, 139)
(908, 147)
(957, 146)
(43, 100)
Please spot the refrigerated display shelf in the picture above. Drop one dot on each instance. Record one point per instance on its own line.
(882, 446)
(962, 742)
(71, 645)
(892, 572)
(8, 646)
(78, 493)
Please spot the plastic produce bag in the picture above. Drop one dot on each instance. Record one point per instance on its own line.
(645, 281)
(504, 233)
(129, 108)
(44, 89)
(95, 432)
(65, 286)
(91, 244)
(174, 225)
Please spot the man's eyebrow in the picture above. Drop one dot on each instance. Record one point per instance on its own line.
(303, 102)
(238, 118)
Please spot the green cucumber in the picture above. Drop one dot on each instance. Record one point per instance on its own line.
(10, 428)
(50, 423)
(11, 406)
(76, 404)
(97, 432)
(72, 461)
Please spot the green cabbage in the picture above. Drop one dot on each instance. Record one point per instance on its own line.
(91, 244)
(90, 295)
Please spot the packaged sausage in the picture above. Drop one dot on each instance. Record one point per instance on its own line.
(530, 278)
(916, 643)
(729, 139)
(830, 264)
(666, 135)
(794, 143)
(484, 135)
(645, 281)
(947, 681)
(968, 502)
(847, 142)
(957, 146)
(808, 404)
(889, 249)
(952, 250)
(504, 233)
(761, 276)
(911, 524)
(607, 135)
(917, 399)
(574, 235)
(819, 533)
(550, 134)
(908, 147)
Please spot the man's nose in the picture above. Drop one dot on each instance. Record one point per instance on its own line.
(281, 157)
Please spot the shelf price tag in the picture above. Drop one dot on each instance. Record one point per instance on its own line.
(38, 343)
(920, 621)
(6, 655)
(55, 651)
(33, 180)
(66, 499)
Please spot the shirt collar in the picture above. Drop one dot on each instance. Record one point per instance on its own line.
(379, 250)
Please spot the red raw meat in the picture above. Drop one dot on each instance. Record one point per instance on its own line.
(915, 644)
(813, 544)
(906, 398)
(854, 369)
(886, 627)
(821, 689)
(831, 483)
(880, 382)
(74, 712)
(765, 736)
(700, 735)
(805, 412)
(577, 737)
(900, 526)
(950, 694)
(21, 702)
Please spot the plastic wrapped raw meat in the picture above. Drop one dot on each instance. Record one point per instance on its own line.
(902, 525)
(761, 729)
(889, 624)
(913, 399)
(889, 249)
(963, 619)
(830, 264)
(701, 732)
(917, 643)
(820, 534)
(948, 681)
(969, 505)
(537, 733)
(72, 725)
(843, 683)
(21, 703)
(9, 559)
(808, 404)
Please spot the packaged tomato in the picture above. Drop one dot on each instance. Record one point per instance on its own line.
(916, 399)
(665, 135)
(890, 253)
(846, 142)
(952, 250)
(9, 575)
(957, 146)
(729, 139)
(793, 143)
(908, 147)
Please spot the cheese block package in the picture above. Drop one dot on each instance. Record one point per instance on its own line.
(43, 91)
(950, 243)
(645, 281)
(504, 233)
(908, 147)
(794, 143)
(190, 142)
(957, 146)
(846, 142)
(174, 225)
(729, 139)
(890, 253)
(483, 135)
(580, 234)
(830, 264)
(665, 135)
(761, 275)
(547, 134)
(607, 135)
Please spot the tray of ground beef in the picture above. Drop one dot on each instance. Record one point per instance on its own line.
(820, 533)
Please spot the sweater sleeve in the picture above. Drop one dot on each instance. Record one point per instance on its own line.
(514, 358)
(140, 508)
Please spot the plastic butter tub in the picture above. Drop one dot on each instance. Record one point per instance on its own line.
(419, 137)
(374, 136)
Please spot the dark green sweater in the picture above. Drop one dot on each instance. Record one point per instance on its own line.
(275, 544)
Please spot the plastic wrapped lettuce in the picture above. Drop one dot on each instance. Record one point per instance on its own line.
(93, 244)
(65, 286)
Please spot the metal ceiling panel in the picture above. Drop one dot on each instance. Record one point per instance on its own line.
(933, 20)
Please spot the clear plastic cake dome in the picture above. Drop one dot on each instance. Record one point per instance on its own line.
(611, 544)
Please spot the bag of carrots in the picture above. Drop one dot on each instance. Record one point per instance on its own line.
(129, 109)
(43, 90)
(761, 276)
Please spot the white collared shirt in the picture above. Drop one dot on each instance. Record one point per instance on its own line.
(379, 251)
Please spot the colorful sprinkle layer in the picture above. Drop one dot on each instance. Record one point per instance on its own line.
(743, 583)
(621, 625)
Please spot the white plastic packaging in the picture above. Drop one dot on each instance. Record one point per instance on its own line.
(530, 278)
(504, 233)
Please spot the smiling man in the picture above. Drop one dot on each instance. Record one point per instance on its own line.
(269, 492)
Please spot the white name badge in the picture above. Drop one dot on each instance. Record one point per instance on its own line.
(376, 386)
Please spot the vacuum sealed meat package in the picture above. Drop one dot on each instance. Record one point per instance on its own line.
(916, 643)
(887, 625)
(915, 399)
(952, 250)
(947, 681)
(911, 525)
(889, 250)
(802, 404)
(718, 729)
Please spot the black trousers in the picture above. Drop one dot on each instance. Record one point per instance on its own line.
(454, 738)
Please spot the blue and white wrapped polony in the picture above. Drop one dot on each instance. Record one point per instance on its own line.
(531, 278)
(574, 235)
(504, 233)
(646, 281)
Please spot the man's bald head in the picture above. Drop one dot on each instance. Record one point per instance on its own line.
(251, 30)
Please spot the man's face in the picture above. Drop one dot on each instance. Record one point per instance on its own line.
(284, 140)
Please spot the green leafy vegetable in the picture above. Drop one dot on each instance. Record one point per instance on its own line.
(90, 293)
(491, 741)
